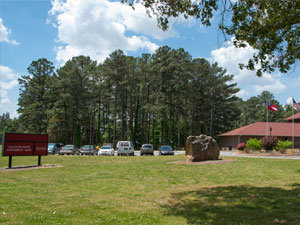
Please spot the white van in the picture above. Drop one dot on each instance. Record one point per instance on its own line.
(125, 148)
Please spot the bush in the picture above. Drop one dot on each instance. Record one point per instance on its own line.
(269, 143)
(282, 146)
(253, 144)
(241, 146)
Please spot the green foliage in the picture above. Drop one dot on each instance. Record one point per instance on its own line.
(283, 145)
(269, 143)
(255, 110)
(164, 10)
(35, 97)
(254, 144)
(270, 27)
(8, 125)
(165, 97)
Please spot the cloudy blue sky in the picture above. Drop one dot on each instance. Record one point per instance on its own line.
(60, 29)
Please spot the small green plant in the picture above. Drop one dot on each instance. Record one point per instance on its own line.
(282, 146)
(253, 144)
(269, 143)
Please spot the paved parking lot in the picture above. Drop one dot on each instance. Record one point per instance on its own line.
(226, 153)
(235, 154)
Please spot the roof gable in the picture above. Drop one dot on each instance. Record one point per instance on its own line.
(296, 117)
(260, 129)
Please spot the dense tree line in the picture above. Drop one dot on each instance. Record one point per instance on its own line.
(160, 98)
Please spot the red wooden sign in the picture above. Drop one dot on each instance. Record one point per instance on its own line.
(41, 148)
(25, 144)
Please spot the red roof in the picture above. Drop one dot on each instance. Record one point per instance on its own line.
(259, 129)
(296, 117)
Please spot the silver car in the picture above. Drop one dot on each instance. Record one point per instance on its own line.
(88, 150)
(166, 150)
(69, 150)
(147, 149)
(106, 150)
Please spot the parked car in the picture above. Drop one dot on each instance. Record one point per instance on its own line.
(166, 150)
(104, 145)
(88, 150)
(106, 150)
(147, 149)
(69, 150)
(125, 148)
(53, 148)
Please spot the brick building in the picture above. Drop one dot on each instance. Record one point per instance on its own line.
(283, 131)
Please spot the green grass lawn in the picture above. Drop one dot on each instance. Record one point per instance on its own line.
(148, 190)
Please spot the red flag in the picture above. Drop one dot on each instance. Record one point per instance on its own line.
(272, 107)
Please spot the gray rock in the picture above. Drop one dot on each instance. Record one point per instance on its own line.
(201, 148)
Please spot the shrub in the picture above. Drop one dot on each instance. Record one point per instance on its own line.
(282, 146)
(241, 146)
(269, 143)
(253, 144)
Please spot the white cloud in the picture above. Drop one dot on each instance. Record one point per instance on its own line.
(289, 101)
(229, 57)
(7, 73)
(8, 95)
(96, 28)
(5, 101)
(9, 85)
(242, 93)
(4, 33)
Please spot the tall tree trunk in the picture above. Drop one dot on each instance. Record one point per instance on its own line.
(108, 124)
(153, 133)
(211, 123)
(98, 132)
(115, 119)
(124, 117)
(178, 130)
(131, 117)
(162, 132)
(148, 128)
(136, 121)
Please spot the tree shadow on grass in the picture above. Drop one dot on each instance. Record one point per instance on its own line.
(237, 205)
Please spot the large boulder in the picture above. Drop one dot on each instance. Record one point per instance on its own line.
(201, 148)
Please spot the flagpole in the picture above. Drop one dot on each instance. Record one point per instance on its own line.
(267, 119)
(293, 125)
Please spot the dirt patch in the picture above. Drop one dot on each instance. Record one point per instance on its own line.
(20, 168)
(208, 162)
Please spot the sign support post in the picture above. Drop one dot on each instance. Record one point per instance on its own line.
(9, 162)
(39, 160)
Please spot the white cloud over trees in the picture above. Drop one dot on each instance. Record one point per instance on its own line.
(97, 28)
(8, 84)
(229, 57)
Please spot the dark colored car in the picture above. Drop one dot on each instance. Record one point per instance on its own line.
(147, 149)
(69, 150)
(166, 150)
(88, 150)
(53, 148)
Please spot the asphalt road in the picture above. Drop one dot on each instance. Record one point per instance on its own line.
(137, 153)
(235, 154)
(225, 153)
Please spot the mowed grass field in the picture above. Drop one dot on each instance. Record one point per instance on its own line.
(149, 190)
